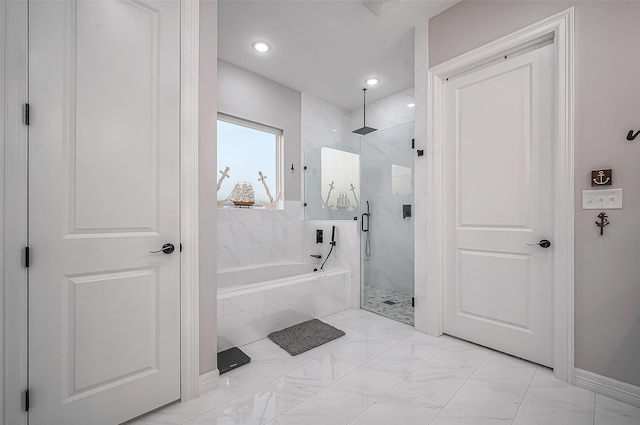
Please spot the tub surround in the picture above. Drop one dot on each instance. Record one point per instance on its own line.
(250, 312)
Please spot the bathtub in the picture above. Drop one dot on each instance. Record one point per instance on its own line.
(255, 301)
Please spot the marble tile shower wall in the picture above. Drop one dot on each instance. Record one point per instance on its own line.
(387, 162)
(256, 237)
(323, 123)
(386, 113)
(421, 217)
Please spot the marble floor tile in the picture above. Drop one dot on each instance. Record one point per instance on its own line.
(613, 412)
(386, 371)
(422, 346)
(542, 409)
(400, 406)
(398, 331)
(260, 349)
(506, 375)
(465, 352)
(545, 382)
(367, 347)
(363, 324)
(439, 378)
(337, 404)
(273, 366)
(226, 389)
(255, 408)
(475, 404)
(318, 374)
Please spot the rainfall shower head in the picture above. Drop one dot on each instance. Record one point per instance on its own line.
(364, 129)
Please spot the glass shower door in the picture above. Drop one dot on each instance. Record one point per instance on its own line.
(387, 224)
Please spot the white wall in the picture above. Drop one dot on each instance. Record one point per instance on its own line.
(207, 154)
(243, 94)
(607, 106)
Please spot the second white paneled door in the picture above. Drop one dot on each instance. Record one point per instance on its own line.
(498, 199)
(104, 312)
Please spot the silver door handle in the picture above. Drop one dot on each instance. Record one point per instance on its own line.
(544, 243)
(167, 248)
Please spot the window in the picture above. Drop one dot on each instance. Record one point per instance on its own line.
(249, 163)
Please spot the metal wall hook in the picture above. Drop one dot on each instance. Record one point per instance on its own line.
(603, 222)
(631, 136)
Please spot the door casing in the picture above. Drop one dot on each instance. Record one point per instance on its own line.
(558, 28)
(13, 194)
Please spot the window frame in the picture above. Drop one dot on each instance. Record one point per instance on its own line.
(279, 134)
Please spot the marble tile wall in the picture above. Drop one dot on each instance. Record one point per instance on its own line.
(323, 123)
(421, 176)
(346, 253)
(386, 113)
(249, 237)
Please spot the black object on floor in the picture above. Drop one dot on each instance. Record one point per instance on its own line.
(389, 302)
(304, 336)
(231, 359)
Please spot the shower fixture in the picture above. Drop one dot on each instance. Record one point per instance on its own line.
(364, 129)
(367, 243)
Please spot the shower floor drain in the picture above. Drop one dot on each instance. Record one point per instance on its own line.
(388, 302)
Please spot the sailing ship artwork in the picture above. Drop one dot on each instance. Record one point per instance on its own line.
(343, 200)
(243, 194)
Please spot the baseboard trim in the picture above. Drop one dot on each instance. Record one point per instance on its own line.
(616, 390)
(207, 382)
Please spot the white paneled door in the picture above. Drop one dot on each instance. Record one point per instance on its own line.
(104, 312)
(498, 133)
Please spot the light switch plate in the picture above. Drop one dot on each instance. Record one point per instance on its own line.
(603, 199)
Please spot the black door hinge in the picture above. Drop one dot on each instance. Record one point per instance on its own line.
(26, 400)
(27, 113)
(180, 247)
(27, 260)
(413, 302)
(413, 143)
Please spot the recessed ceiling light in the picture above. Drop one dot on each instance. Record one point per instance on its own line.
(372, 81)
(335, 131)
(410, 105)
(261, 46)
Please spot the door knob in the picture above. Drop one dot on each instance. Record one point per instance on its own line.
(543, 243)
(167, 248)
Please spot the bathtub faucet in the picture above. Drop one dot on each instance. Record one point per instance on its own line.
(316, 256)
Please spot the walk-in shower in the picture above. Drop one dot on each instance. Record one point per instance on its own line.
(370, 179)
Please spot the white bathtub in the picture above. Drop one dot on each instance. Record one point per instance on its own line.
(255, 301)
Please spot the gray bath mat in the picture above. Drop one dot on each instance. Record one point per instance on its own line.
(304, 336)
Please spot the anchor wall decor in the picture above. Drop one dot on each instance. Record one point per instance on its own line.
(601, 177)
(603, 222)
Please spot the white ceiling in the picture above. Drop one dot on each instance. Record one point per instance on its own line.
(325, 48)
